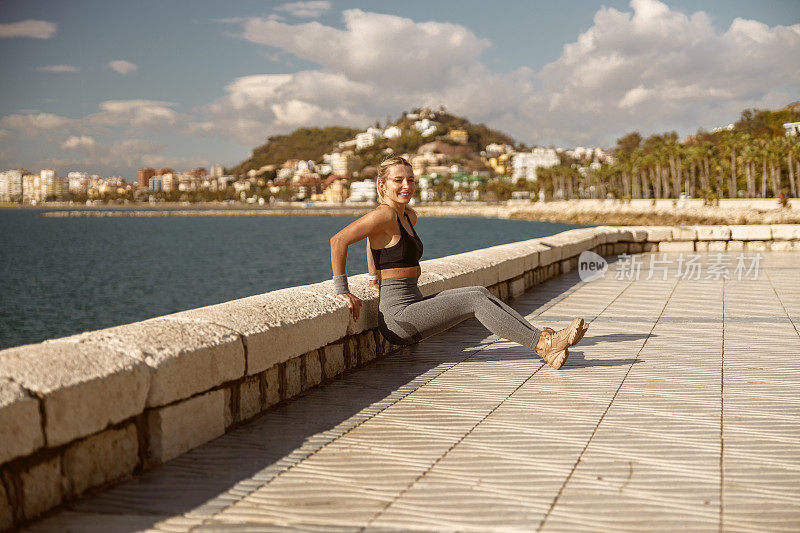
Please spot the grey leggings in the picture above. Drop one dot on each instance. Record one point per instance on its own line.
(405, 317)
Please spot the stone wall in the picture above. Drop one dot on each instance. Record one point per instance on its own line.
(86, 411)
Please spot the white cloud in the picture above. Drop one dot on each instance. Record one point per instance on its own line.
(659, 68)
(32, 124)
(134, 113)
(35, 29)
(387, 50)
(84, 142)
(311, 9)
(58, 68)
(649, 68)
(121, 66)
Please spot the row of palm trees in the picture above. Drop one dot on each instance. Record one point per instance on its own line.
(723, 164)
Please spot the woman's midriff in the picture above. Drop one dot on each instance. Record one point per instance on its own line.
(400, 273)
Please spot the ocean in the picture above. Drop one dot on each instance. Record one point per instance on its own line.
(61, 276)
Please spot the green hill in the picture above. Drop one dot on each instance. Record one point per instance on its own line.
(311, 143)
(304, 143)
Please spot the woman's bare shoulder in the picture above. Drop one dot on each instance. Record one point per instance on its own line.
(381, 215)
(411, 214)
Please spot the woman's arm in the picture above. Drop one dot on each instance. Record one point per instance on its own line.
(371, 223)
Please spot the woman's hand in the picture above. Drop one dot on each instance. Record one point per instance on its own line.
(353, 302)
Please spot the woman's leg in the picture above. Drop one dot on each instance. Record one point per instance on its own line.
(438, 312)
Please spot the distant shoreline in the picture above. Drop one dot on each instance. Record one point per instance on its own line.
(635, 212)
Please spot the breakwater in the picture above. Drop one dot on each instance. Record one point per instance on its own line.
(634, 212)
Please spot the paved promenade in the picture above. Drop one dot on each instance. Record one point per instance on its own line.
(680, 409)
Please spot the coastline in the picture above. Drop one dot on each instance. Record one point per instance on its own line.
(635, 212)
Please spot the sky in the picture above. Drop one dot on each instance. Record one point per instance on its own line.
(108, 87)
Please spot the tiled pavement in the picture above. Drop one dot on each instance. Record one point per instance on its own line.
(679, 409)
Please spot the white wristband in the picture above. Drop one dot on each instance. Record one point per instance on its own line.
(340, 284)
(373, 278)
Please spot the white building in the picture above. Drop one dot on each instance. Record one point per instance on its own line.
(392, 132)
(341, 163)
(364, 140)
(792, 128)
(216, 171)
(426, 127)
(363, 191)
(525, 163)
(10, 185)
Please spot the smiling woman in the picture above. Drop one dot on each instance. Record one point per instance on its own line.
(393, 253)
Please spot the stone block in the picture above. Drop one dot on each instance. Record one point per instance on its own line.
(6, 510)
(637, 233)
(432, 282)
(635, 247)
(751, 233)
(676, 246)
(781, 246)
(481, 269)
(442, 274)
(517, 287)
(20, 422)
(384, 347)
(531, 248)
(312, 369)
(756, 246)
(185, 356)
(83, 386)
(293, 378)
(713, 233)
(367, 347)
(624, 235)
(101, 458)
(701, 246)
(735, 246)
(250, 403)
(684, 233)
(509, 260)
(529, 279)
(178, 428)
(351, 351)
(229, 407)
(716, 246)
(550, 254)
(649, 247)
(272, 377)
(620, 248)
(608, 234)
(566, 266)
(283, 324)
(41, 487)
(659, 233)
(334, 360)
(785, 232)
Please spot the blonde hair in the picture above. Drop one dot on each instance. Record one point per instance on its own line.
(383, 170)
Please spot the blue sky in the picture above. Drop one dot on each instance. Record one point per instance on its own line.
(111, 86)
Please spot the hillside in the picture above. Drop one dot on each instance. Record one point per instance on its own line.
(312, 143)
(304, 143)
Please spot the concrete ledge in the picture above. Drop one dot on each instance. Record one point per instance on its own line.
(83, 387)
(20, 422)
(90, 409)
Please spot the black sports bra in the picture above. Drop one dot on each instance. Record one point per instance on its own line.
(405, 253)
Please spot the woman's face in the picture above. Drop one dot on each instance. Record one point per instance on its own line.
(399, 185)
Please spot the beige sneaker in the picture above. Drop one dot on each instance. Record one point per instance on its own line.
(553, 346)
(572, 333)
